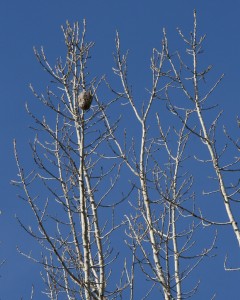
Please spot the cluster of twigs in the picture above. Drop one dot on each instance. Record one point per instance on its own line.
(88, 168)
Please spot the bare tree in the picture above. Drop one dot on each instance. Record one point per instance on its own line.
(164, 222)
(89, 162)
(224, 157)
(68, 165)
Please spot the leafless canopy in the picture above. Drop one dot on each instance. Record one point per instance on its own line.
(82, 147)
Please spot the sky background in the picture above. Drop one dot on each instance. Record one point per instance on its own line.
(24, 24)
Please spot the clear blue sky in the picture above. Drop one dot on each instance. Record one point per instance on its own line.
(24, 24)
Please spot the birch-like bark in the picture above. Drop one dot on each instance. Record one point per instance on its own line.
(68, 163)
(207, 140)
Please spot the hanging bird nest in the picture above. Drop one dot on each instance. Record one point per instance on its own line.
(85, 100)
